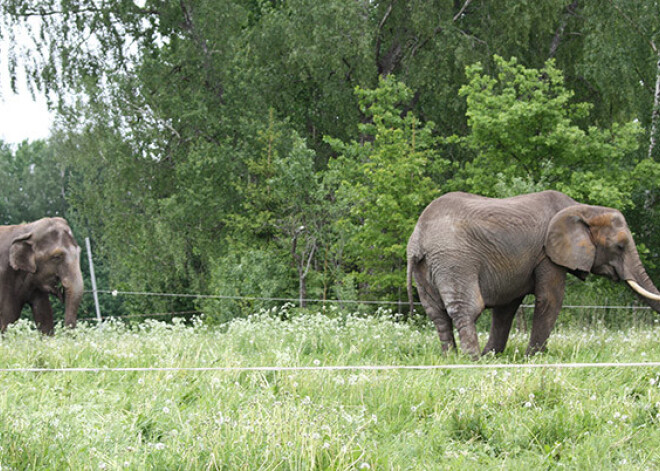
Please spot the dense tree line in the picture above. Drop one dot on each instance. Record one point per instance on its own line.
(284, 148)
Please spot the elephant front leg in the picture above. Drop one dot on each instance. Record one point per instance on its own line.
(500, 326)
(10, 310)
(549, 292)
(42, 311)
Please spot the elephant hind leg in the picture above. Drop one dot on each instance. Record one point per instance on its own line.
(464, 308)
(444, 326)
(434, 307)
(501, 326)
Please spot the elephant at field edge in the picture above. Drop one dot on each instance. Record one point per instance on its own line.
(35, 259)
(469, 252)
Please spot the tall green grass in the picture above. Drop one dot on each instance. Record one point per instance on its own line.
(484, 419)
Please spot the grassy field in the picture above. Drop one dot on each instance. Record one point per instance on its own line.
(606, 418)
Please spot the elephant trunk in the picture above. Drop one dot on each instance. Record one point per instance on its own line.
(641, 283)
(73, 293)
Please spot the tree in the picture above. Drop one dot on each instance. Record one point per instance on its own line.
(384, 181)
(523, 127)
(283, 202)
(162, 122)
(34, 183)
(276, 233)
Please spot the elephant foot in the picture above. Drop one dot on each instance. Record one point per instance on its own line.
(534, 349)
(469, 340)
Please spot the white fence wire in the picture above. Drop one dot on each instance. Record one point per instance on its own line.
(243, 369)
(320, 301)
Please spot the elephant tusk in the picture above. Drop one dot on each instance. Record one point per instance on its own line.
(642, 291)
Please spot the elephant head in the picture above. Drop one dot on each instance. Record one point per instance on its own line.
(593, 239)
(49, 255)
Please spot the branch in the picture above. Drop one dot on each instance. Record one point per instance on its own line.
(458, 15)
(309, 259)
(635, 26)
(556, 40)
(379, 34)
(420, 44)
(44, 13)
(189, 25)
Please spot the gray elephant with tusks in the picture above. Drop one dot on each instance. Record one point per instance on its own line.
(468, 253)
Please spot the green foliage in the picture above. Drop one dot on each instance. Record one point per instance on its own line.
(188, 145)
(524, 128)
(618, 64)
(34, 183)
(384, 181)
(240, 274)
(283, 207)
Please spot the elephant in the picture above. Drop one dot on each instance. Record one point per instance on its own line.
(35, 259)
(468, 253)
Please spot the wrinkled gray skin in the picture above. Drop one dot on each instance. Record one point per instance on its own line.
(36, 260)
(468, 253)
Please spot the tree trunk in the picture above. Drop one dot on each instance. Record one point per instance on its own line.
(655, 115)
(302, 290)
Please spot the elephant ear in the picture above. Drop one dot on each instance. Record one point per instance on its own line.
(568, 241)
(21, 254)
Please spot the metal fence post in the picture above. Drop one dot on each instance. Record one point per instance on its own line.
(91, 274)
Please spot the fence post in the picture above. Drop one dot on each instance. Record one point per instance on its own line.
(93, 277)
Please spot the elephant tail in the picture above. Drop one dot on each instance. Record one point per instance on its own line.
(414, 257)
(409, 283)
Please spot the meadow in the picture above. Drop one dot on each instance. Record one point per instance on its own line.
(547, 418)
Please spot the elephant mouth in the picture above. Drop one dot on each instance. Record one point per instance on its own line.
(608, 272)
(56, 289)
(60, 293)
